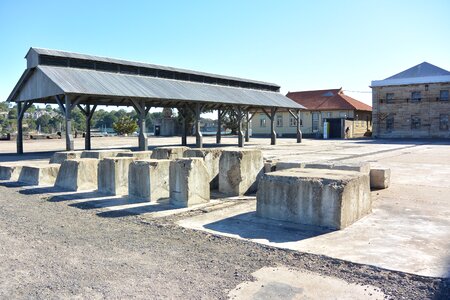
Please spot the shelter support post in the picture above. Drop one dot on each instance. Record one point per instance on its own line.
(198, 133)
(219, 126)
(21, 109)
(271, 116)
(183, 112)
(247, 121)
(298, 119)
(88, 113)
(240, 116)
(142, 112)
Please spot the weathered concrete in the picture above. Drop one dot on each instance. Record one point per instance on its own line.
(173, 152)
(149, 179)
(189, 182)
(101, 154)
(59, 157)
(211, 157)
(363, 167)
(380, 178)
(239, 171)
(284, 165)
(78, 174)
(270, 166)
(137, 154)
(39, 174)
(10, 171)
(113, 175)
(327, 198)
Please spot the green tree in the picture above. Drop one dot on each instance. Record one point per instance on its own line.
(230, 122)
(125, 125)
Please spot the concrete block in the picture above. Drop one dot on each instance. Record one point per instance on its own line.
(189, 182)
(318, 197)
(380, 178)
(136, 154)
(101, 154)
(59, 157)
(169, 152)
(211, 158)
(10, 171)
(78, 174)
(113, 175)
(149, 179)
(39, 174)
(284, 165)
(270, 166)
(363, 167)
(239, 171)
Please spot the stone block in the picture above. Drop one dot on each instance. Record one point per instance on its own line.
(59, 157)
(317, 197)
(239, 171)
(149, 179)
(78, 174)
(10, 171)
(169, 152)
(270, 166)
(136, 154)
(363, 167)
(284, 165)
(189, 182)
(380, 178)
(39, 174)
(211, 158)
(101, 154)
(113, 175)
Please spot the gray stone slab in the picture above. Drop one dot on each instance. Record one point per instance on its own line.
(39, 174)
(149, 179)
(113, 175)
(59, 157)
(380, 178)
(137, 154)
(363, 167)
(189, 182)
(317, 197)
(239, 171)
(284, 165)
(211, 157)
(78, 174)
(100, 154)
(172, 152)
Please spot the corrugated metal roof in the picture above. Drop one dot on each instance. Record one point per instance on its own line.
(97, 83)
(60, 53)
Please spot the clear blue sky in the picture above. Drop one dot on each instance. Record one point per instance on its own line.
(300, 45)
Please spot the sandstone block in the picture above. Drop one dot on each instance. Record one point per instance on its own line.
(149, 179)
(101, 154)
(211, 158)
(169, 152)
(380, 178)
(239, 171)
(113, 175)
(189, 182)
(39, 174)
(78, 174)
(318, 197)
(136, 154)
(59, 157)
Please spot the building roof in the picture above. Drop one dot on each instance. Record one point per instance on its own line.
(42, 82)
(419, 74)
(333, 99)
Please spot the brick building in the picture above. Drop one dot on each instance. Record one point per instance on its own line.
(412, 104)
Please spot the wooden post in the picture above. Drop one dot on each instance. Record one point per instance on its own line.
(219, 127)
(198, 133)
(273, 134)
(183, 113)
(143, 142)
(247, 121)
(19, 129)
(240, 133)
(69, 135)
(299, 131)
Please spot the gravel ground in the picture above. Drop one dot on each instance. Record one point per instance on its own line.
(51, 250)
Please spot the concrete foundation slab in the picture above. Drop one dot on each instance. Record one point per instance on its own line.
(211, 157)
(317, 197)
(149, 179)
(101, 154)
(39, 174)
(189, 182)
(59, 157)
(169, 152)
(78, 174)
(239, 171)
(380, 178)
(136, 154)
(113, 175)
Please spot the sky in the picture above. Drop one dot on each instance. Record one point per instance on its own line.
(299, 45)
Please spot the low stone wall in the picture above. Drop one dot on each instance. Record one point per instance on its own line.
(59, 157)
(101, 154)
(318, 197)
(172, 152)
(211, 158)
(239, 171)
(39, 174)
(149, 179)
(78, 174)
(113, 175)
(189, 182)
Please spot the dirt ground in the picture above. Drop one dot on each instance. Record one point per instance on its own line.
(52, 250)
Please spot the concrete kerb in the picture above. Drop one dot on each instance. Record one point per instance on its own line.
(141, 155)
(169, 152)
(211, 157)
(318, 197)
(59, 157)
(239, 171)
(189, 182)
(101, 154)
(78, 174)
(39, 174)
(113, 175)
(149, 179)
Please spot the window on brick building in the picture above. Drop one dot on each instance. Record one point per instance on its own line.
(389, 97)
(390, 123)
(416, 96)
(292, 122)
(279, 120)
(443, 95)
(443, 122)
(415, 122)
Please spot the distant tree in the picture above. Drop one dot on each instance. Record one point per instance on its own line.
(230, 122)
(125, 125)
(43, 122)
(48, 107)
(4, 106)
